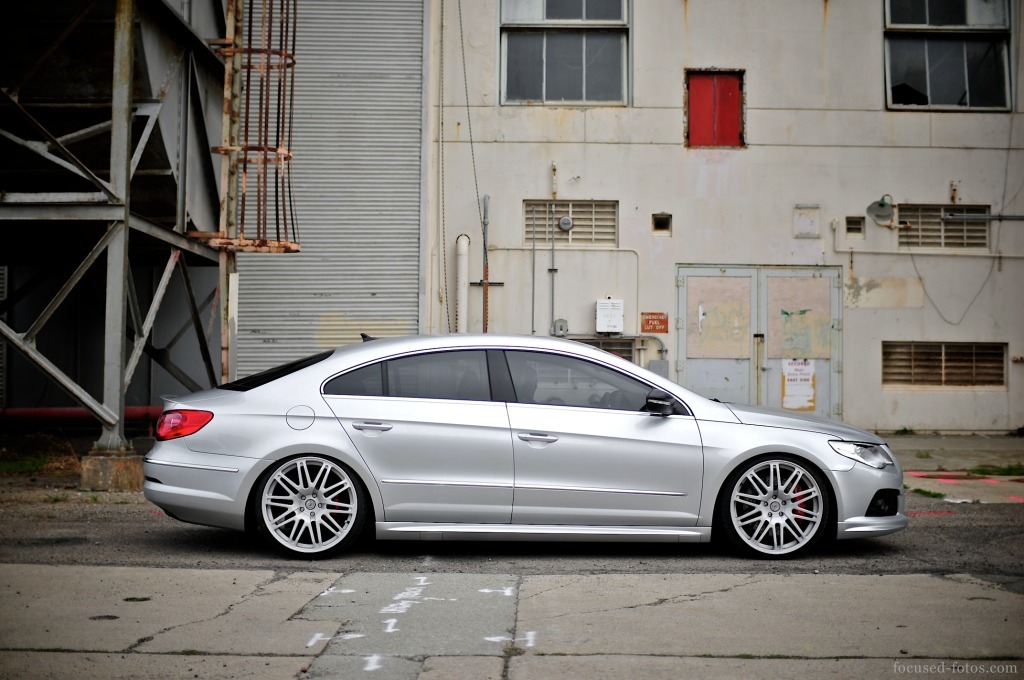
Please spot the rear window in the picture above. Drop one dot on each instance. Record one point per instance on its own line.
(272, 374)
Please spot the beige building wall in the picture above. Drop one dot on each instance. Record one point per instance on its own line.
(820, 147)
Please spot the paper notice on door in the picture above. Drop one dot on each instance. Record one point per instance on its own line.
(798, 384)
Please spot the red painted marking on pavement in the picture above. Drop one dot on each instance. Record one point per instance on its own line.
(916, 474)
(990, 481)
(929, 513)
(947, 481)
(1018, 499)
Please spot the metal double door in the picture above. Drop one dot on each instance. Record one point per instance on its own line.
(761, 335)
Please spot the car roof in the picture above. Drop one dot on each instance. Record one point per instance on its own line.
(380, 348)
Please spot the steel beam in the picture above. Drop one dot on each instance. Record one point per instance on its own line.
(107, 416)
(204, 348)
(80, 168)
(112, 439)
(142, 334)
(170, 237)
(69, 285)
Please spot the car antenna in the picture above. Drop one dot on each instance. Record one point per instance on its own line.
(366, 338)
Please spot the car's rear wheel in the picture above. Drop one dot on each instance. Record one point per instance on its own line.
(775, 507)
(311, 506)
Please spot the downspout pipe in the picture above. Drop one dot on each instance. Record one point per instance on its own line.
(462, 283)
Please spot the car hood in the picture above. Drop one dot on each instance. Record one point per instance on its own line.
(770, 417)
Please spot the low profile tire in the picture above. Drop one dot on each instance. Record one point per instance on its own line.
(774, 507)
(311, 506)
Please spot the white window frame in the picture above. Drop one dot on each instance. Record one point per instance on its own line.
(531, 19)
(965, 32)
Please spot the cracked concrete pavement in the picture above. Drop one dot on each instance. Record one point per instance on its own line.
(117, 622)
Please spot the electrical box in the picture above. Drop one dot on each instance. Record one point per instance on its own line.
(610, 315)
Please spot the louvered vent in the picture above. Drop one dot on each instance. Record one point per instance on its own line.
(622, 347)
(923, 226)
(947, 364)
(594, 223)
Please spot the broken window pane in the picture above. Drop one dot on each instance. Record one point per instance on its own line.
(908, 71)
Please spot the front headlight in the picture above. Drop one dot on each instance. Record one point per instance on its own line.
(875, 455)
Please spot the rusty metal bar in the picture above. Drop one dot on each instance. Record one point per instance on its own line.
(261, 152)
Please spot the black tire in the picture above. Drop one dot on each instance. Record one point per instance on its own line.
(310, 506)
(774, 507)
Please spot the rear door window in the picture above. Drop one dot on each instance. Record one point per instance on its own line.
(367, 381)
(439, 375)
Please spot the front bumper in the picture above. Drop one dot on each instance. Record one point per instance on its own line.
(856, 489)
(863, 527)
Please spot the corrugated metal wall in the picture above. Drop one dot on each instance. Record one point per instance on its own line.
(357, 178)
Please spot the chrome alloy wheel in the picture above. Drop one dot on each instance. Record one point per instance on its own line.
(310, 504)
(777, 507)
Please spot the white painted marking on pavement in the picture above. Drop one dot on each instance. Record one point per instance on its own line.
(373, 663)
(398, 607)
(530, 639)
(507, 592)
(390, 628)
(319, 637)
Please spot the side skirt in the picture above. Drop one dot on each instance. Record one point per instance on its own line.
(413, 531)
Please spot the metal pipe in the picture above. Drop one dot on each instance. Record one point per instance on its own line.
(462, 284)
(984, 218)
(487, 273)
(552, 269)
(75, 413)
(533, 273)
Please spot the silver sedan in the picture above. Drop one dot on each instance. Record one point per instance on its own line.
(507, 437)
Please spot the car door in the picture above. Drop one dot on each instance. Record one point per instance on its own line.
(587, 453)
(437, 445)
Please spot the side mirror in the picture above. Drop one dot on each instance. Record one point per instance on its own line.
(660, 403)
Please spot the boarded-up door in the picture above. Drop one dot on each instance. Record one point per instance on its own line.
(761, 335)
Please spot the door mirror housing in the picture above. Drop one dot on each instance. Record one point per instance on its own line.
(660, 403)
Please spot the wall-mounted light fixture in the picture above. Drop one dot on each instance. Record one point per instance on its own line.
(881, 211)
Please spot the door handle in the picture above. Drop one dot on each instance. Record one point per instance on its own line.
(537, 437)
(373, 426)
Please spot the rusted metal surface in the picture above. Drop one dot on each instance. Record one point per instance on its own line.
(258, 108)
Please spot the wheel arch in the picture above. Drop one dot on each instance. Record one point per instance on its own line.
(726, 473)
(352, 462)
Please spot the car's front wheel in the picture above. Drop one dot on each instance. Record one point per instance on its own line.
(774, 507)
(311, 506)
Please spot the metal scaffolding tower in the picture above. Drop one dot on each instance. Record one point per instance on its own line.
(107, 114)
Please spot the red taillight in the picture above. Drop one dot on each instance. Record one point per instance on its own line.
(180, 423)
